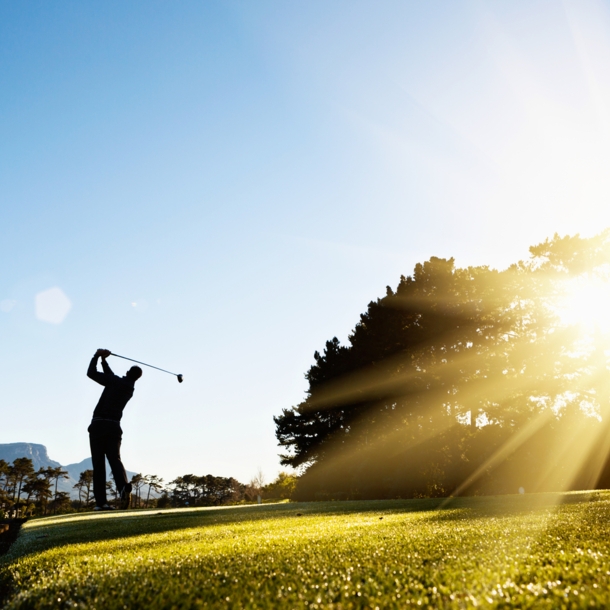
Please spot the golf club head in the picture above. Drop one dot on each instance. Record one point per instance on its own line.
(179, 378)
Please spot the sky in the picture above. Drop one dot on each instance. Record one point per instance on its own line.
(218, 188)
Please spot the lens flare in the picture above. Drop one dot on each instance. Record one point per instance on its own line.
(586, 304)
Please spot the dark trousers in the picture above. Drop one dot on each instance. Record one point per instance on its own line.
(105, 440)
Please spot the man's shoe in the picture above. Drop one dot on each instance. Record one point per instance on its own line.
(126, 496)
(105, 507)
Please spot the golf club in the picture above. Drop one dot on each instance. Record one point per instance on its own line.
(149, 365)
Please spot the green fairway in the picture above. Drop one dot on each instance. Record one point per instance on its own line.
(548, 550)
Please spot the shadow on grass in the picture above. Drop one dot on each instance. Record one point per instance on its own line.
(47, 533)
(9, 530)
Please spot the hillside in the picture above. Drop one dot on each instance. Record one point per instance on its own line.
(37, 453)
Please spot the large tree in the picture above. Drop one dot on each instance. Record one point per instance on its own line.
(450, 377)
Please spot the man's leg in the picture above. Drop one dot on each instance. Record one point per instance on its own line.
(97, 442)
(113, 452)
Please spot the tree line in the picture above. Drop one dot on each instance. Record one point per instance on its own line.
(461, 381)
(192, 490)
(25, 491)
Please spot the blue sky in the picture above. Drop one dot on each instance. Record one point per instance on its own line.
(218, 188)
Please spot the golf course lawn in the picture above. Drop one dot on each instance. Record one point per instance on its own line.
(539, 550)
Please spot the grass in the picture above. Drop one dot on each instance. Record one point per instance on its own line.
(547, 550)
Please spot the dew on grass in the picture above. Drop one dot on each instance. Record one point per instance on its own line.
(326, 556)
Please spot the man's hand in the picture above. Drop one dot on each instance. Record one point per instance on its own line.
(103, 353)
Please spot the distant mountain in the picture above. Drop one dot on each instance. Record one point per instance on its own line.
(37, 453)
(40, 458)
(74, 470)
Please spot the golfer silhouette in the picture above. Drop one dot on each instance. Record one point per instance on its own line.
(105, 431)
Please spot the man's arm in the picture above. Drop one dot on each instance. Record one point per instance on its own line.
(106, 367)
(93, 373)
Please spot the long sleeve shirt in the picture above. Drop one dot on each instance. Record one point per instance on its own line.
(116, 394)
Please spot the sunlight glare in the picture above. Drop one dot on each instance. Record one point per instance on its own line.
(586, 303)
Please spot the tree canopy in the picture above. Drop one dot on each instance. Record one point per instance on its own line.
(462, 380)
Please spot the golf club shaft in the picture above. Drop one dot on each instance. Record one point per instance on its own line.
(144, 363)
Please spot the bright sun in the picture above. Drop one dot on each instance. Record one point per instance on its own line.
(586, 303)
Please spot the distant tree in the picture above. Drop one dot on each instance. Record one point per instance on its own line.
(165, 500)
(137, 482)
(28, 488)
(85, 487)
(54, 475)
(154, 483)
(112, 490)
(4, 469)
(256, 484)
(38, 486)
(282, 487)
(4, 481)
(184, 490)
(20, 470)
(61, 503)
(9, 486)
(218, 490)
(208, 490)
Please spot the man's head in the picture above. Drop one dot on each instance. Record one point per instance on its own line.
(134, 373)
